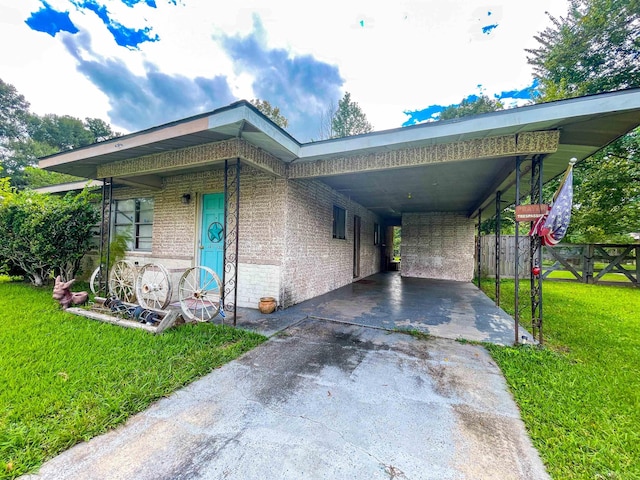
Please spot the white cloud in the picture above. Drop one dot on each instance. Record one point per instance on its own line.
(393, 56)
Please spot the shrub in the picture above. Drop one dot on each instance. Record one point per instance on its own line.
(46, 234)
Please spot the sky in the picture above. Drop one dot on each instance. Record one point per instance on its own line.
(142, 63)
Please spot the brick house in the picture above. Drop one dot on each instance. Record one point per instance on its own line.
(312, 217)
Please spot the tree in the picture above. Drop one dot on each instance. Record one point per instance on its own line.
(25, 137)
(61, 132)
(326, 121)
(14, 110)
(472, 105)
(349, 119)
(593, 49)
(21, 154)
(100, 129)
(607, 194)
(272, 112)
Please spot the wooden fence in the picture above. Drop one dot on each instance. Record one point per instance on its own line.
(591, 263)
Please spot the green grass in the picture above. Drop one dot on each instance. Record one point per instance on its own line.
(64, 378)
(580, 396)
(607, 277)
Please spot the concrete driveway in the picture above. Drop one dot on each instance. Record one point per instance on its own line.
(324, 400)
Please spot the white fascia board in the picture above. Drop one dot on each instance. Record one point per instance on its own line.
(504, 122)
(240, 113)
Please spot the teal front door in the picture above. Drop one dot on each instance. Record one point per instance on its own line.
(212, 236)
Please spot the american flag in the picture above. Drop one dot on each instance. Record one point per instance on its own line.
(557, 221)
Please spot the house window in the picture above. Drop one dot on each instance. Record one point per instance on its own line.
(376, 234)
(134, 218)
(339, 222)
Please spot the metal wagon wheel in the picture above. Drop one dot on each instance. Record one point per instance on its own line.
(153, 286)
(200, 293)
(122, 280)
(96, 282)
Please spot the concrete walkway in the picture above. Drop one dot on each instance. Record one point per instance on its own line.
(324, 400)
(445, 309)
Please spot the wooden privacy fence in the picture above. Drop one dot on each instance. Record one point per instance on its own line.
(591, 263)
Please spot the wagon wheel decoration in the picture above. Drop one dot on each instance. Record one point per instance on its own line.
(122, 281)
(96, 282)
(215, 232)
(200, 293)
(153, 286)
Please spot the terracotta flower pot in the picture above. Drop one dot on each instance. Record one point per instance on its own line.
(267, 305)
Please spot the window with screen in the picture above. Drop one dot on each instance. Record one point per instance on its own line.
(134, 220)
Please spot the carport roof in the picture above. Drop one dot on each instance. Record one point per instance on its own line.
(585, 125)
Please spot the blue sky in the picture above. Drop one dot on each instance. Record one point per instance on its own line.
(141, 63)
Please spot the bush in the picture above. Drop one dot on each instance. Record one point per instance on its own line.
(45, 234)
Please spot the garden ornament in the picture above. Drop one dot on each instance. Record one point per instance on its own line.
(63, 294)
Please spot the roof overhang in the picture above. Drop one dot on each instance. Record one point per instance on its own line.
(583, 126)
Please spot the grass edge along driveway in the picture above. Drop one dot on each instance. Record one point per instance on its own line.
(580, 395)
(65, 379)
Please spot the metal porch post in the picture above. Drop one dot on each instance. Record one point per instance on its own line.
(104, 250)
(516, 300)
(231, 236)
(535, 253)
(479, 249)
(498, 243)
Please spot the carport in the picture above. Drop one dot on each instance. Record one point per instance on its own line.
(475, 167)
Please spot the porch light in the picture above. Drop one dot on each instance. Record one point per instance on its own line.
(186, 198)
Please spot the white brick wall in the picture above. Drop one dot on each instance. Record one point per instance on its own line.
(314, 261)
(257, 281)
(286, 249)
(437, 245)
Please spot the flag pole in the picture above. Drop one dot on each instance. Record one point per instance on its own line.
(572, 162)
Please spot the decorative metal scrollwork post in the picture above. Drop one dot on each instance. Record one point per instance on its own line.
(535, 253)
(231, 230)
(516, 299)
(104, 251)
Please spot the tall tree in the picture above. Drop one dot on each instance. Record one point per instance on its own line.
(25, 137)
(100, 129)
(326, 121)
(270, 111)
(349, 119)
(62, 132)
(14, 110)
(596, 48)
(472, 105)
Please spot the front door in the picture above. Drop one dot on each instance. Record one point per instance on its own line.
(212, 236)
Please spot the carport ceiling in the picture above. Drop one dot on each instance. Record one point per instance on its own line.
(445, 187)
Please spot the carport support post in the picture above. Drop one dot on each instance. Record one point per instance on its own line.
(479, 249)
(535, 256)
(498, 233)
(516, 298)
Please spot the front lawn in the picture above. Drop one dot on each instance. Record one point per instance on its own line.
(580, 396)
(64, 378)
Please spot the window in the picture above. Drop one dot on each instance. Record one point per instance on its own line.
(134, 218)
(339, 222)
(376, 234)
